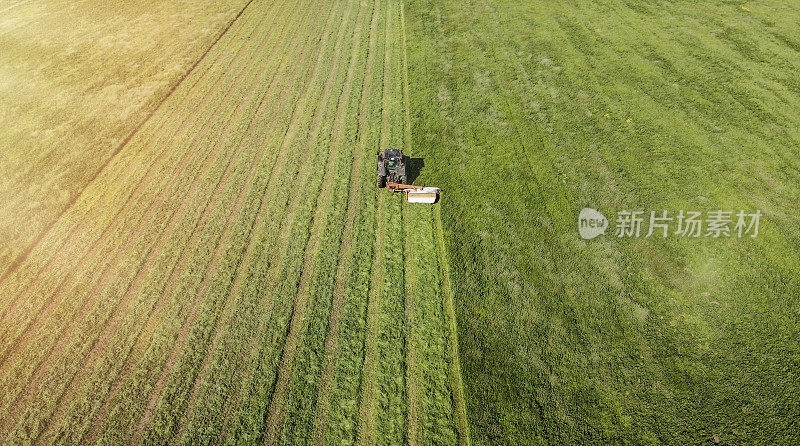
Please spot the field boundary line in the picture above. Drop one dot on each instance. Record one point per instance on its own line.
(277, 412)
(365, 432)
(346, 248)
(38, 239)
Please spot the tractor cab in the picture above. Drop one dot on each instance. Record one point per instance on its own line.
(391, 167)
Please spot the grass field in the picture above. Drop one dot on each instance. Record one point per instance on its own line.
(76, 77)
(525, 112)
(231, 271)
(193, 251)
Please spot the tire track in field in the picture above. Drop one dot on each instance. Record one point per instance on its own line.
(346, 250)
(144, 217)
(97, 210)
(366, 427)
(413, 385)
(112, 327)
(456, 383)
(109, 328)
(224, 320)
(292, 201)
(277, 412)
(38, 239)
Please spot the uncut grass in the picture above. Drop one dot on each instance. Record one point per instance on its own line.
(79, 77)
(649, 341)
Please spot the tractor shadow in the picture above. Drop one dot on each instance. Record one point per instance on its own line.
(415, 166)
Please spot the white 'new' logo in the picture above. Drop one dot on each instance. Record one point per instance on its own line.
(591, 223)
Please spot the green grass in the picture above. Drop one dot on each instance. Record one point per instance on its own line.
(231, 275)
(526, 112)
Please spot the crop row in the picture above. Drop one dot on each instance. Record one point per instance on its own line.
(302, 396)
(168, 408)
(110, 301)
(243, 179)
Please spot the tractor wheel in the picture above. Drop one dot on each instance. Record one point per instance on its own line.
(381, 182)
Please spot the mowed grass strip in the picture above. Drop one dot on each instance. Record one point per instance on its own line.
(170, 406)
(243, 203)
(226, 355)
(360, 186)
(296, 395)
(294, 240)
(368, 391)
(155, 250)
(391, 410)
(131, 56)
(340, 425)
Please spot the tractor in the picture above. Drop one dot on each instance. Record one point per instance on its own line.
(391, 167)
(392, 174)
